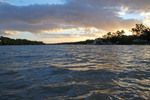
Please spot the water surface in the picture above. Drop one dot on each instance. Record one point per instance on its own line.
(75, 72)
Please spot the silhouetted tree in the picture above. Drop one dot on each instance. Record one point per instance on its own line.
(118, 37)
(8, 41)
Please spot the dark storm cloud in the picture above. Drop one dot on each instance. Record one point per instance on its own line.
(100, 14)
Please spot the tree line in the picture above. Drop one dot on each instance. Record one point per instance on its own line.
(9, 41)
(140, 35)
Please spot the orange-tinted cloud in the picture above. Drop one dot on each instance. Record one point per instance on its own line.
(103, 15)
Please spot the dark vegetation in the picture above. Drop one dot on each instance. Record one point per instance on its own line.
(140, 35)
(8, 41)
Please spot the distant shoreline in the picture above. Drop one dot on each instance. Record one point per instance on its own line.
(140, 36)
(9, 41)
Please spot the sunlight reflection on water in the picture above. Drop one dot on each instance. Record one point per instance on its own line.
(75, 72)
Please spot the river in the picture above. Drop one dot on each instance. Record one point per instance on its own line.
(75, 72)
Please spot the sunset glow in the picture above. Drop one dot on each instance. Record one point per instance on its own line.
(128, 32)
(54, 21)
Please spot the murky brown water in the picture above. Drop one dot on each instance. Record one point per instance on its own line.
(78, 72)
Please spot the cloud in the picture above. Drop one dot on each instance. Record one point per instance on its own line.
(4, 3)
(51, 38)
(103, 15)
(147, 21)
(8, 32)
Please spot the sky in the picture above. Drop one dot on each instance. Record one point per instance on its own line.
(55, 21)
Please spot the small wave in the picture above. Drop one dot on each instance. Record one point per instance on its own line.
(54, 72)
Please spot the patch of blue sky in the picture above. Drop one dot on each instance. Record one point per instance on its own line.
(23, 35)
(32, 2)
(125, 14)
(132, 16)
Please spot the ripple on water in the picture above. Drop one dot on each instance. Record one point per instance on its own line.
(75, 72)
